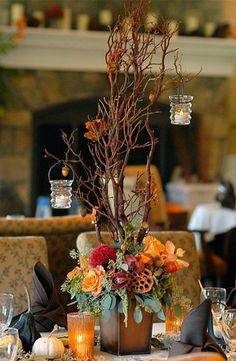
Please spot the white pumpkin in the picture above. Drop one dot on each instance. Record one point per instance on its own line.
(48, 346)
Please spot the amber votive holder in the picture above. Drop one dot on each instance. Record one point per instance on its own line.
(81, 334)
(173, 322)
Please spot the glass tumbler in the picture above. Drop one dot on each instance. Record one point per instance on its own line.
(217, 295)
(81, 334)
(8, 344)
(229, 331)
(6, 310)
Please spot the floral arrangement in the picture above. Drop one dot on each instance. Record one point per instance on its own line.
(137, 265)
(110, 277)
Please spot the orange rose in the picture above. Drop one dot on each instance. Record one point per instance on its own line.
(74, 273)
(153, 246)
(93, 281)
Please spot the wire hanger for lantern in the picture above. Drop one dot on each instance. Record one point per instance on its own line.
(180, 104)
(61, 189)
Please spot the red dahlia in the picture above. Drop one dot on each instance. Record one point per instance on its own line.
(101, 255)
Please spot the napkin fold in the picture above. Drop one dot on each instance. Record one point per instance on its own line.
(46, 309)
(194, 336)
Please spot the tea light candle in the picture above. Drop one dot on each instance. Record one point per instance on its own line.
(61, 200)
(181, 117)
(180, 109)
(81, 334)
(173, 323)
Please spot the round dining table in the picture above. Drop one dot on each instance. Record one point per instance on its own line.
(212, 219)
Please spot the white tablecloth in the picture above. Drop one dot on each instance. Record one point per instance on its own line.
(191, 194)
(213, 219)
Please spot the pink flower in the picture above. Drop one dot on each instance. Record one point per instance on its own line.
(170, 258)
(101, 255)
(120, 280)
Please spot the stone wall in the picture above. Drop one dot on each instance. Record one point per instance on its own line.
(28, 91)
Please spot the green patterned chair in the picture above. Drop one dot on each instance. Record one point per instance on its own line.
(18, 256)
(187, 278)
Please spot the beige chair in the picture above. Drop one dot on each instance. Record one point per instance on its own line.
(18, 256)
(186, 278)
(60, 234)
(158, 214)
(198, 356)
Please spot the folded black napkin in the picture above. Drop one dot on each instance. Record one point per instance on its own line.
(46, 309)
(194, 336)
(231, 299)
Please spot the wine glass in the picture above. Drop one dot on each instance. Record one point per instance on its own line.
(229, 331)
(8, 344)
(6, 310)
(217, 295)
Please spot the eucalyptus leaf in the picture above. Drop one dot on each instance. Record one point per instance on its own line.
(113, 302)
(167, 298)
(124, 266)
(121, 307)
(139, 299)
(177, 310)
(106, 314)
(161, 315)
(138, 316)
(155, 305)
(106, 302)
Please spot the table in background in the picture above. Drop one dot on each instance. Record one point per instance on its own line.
(217, 225)
(212, 219)
(191, 194)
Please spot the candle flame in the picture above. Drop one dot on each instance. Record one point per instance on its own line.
(79, 338)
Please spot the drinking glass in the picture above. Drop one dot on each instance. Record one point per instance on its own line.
(229, 331)
(217, 295)
(6, 310)
(8, 344)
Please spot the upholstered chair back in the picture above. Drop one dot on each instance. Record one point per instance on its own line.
(187, 278)
(60, 234)
(18, 256)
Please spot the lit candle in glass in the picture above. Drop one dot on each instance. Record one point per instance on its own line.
(61, 189)
(61, 200)
(181, 109)
(181, 117)
(173, 322)
(81, 334)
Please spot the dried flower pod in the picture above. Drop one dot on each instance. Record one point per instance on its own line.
(141, 282)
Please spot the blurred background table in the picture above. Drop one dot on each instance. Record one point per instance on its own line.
(215, 234)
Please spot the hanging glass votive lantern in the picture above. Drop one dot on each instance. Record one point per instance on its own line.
(180, 109)
(61, 189)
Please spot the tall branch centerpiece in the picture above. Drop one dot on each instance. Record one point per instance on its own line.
(137, 268)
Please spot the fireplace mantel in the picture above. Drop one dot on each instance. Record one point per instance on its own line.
(52, 49)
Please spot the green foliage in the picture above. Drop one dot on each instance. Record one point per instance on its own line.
(138, 316)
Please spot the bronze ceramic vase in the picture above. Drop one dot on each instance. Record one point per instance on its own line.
(133, 339)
